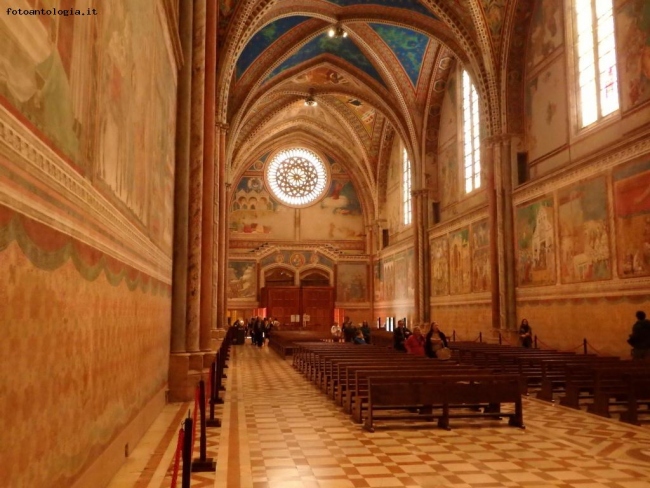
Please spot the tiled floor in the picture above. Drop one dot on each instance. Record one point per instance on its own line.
(280, 431)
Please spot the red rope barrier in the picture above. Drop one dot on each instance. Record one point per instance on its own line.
(594, 349)
(177, 457)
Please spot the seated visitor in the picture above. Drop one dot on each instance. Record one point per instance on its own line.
(415, 343)
(435, 344)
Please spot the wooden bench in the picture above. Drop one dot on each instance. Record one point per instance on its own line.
(457, 392)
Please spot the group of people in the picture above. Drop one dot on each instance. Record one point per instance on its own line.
(349, 333)
(433, 345)
(259, 329)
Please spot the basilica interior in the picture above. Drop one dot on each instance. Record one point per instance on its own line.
(169, 167)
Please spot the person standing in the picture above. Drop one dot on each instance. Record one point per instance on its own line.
(525, 334)
(640, 337)
(399, 336)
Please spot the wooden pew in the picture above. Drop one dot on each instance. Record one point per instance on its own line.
(453, 392)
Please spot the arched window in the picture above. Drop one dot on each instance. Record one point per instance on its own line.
(471, 135)
(596, 60)
(406, 188)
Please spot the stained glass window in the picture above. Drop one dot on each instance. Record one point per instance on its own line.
(297, 176)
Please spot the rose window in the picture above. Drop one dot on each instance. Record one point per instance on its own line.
(297, 177)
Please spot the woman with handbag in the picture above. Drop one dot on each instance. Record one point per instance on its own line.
(435, 345)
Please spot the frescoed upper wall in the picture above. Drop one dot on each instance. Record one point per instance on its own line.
(76, 80)
(546, 32)
(633, 31)
(256, 214)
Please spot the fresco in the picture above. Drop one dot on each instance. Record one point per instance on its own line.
(633, 28)
(494, 15)
(547, 31)
(377, 280)
(242, 279)
(584, 232)
(352, 282)
(481, 271)
(546, 110)
(263, 39)
(408, 47)
(297, 259)
(344, 48)
(323, 75)
(226, 9)
(336, 216)
(394, 192)
(253, 212)
(413, 5)
(364, 112)
(258, 166)
(123, 55)
(449, 174)
(632, 207)
(36, 78)
(460, 273)
(448, 115)
(535, 243)
(440, 266)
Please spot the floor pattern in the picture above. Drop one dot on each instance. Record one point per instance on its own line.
(278, 430)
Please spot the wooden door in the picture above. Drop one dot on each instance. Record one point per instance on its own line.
(318, 303)
(281, 302)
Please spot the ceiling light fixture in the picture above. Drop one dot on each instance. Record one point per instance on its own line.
(337, 31)
(310, 101)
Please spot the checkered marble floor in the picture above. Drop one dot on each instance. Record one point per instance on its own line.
(280, 431)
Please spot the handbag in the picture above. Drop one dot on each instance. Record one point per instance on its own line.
(444, 354)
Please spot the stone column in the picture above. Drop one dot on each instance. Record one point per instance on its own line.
(421, 265)
(487, 156)
(207, 230)
(221, 237)
(196, 180)
(499, 177)
(181, 183)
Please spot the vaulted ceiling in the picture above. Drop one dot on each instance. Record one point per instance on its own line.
(386, 77)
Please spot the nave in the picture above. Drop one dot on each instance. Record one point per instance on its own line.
(278, 430)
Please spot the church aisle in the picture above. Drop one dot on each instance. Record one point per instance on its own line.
(280, 431)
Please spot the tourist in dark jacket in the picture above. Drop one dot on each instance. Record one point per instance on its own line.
(640, 337)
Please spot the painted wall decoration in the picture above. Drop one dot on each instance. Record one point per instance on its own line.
(394, 191)
(584, 232)
(494, 15)
(226, 9)
(135, 147)
(460, 273)
(100, 91)
(481, 270)
(534, 224)
(395, 277)
(263, 39)
(632, 207)
(297, 259)
(37, 80)
(547, 31)
(440, 266)
(254, 212)
(84, 332)
(449, 112)
(344, 48)
(633, 42)
(546, 110)
(407, 45)
(242, 279)
(352, 282)
(412, 5)
(449, 174)
(323, 75)
(364, 112)
(337, 216)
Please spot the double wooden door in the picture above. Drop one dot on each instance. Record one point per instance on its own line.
(317, 302)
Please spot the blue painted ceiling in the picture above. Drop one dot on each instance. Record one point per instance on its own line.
(407, 45)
